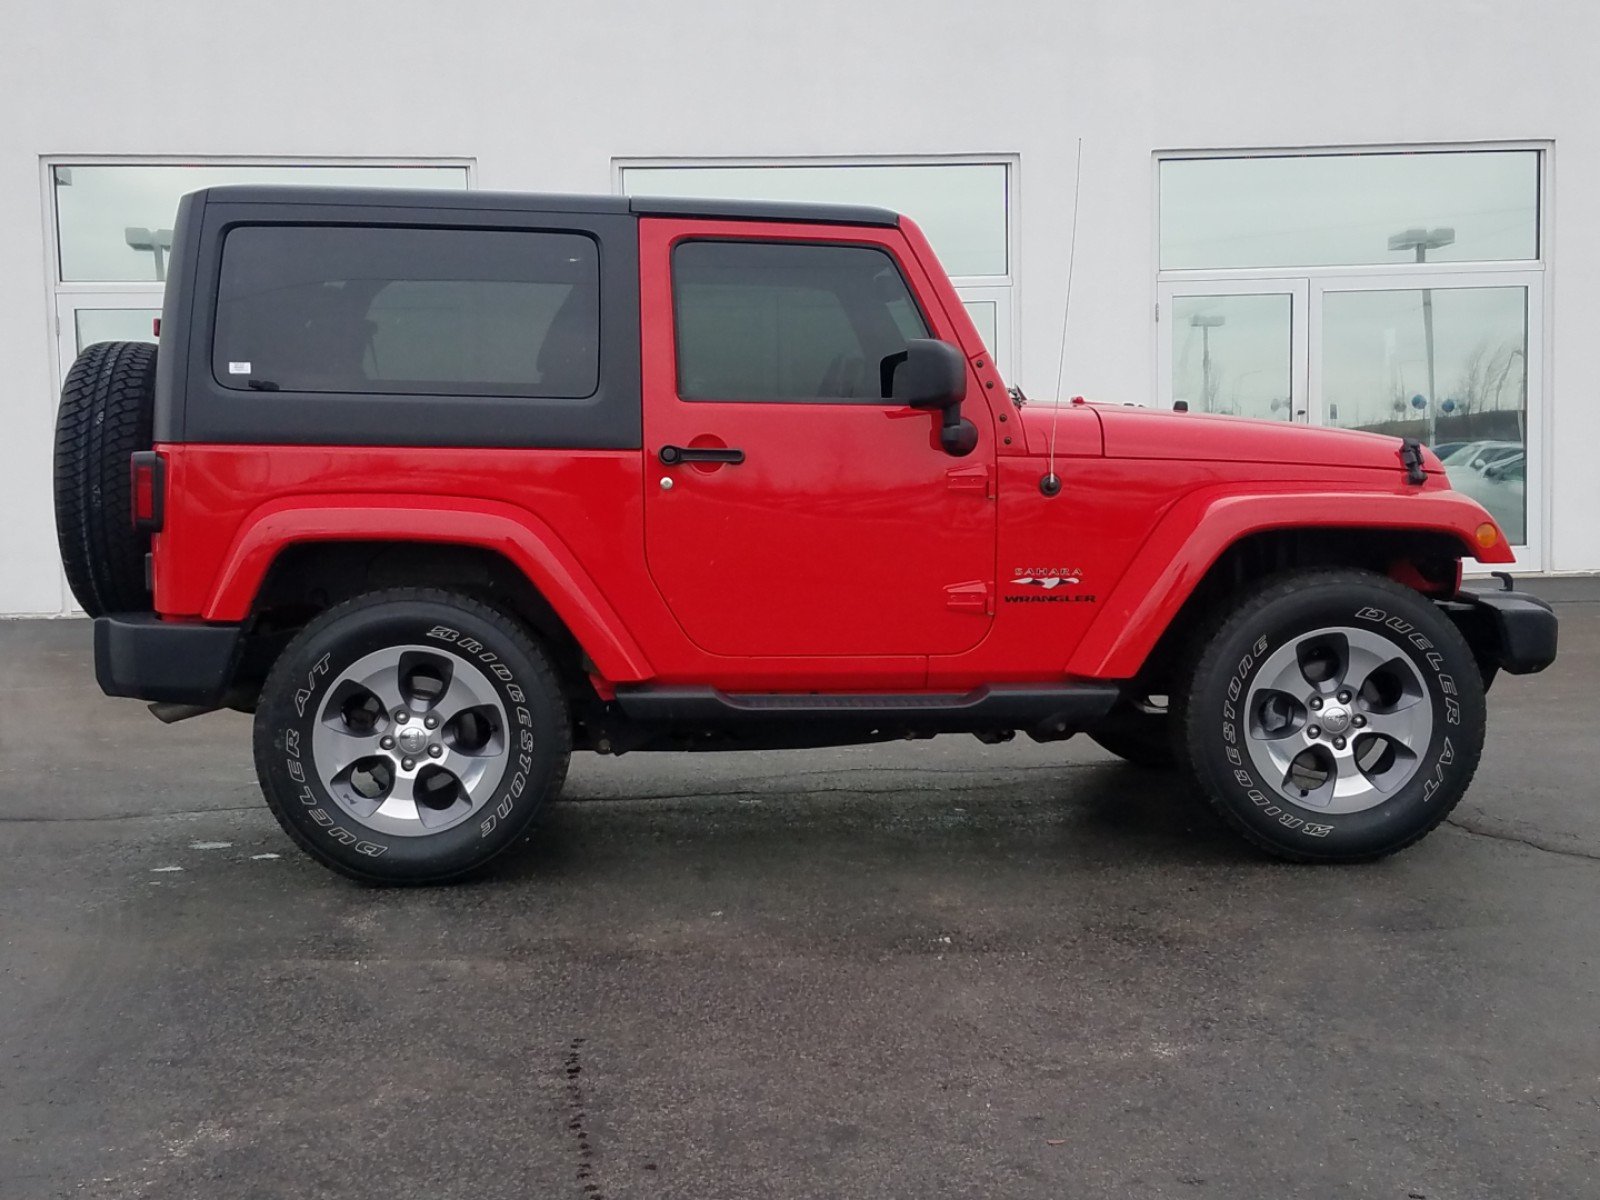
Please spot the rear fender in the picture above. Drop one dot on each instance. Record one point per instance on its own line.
(527, 542)
(1200, 527)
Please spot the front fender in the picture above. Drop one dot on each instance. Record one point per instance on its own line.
(527, 542)
(1196, 530)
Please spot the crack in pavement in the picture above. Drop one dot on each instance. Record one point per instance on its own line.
(1493, 835)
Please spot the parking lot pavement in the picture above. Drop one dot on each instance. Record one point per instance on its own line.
(933, 969)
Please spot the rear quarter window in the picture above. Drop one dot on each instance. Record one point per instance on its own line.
(364, 309)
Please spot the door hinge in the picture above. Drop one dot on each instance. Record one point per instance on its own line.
(975, 477)
(974, 596)
(1158, 312)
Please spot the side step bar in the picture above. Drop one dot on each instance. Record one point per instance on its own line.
(1045, 711)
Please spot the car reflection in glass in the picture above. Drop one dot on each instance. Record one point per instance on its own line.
(1495, 475)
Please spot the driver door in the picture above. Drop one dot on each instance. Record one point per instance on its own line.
(791, 510)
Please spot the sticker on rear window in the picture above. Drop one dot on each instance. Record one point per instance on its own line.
(236, 368)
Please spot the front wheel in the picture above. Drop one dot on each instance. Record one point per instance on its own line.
(409, 736)
(1334, 716)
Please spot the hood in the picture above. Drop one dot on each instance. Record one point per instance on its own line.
(1202, 437)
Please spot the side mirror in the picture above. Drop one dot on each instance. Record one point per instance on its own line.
(932, 374)
(927, 374)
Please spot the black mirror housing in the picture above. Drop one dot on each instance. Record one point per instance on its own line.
(927, 374)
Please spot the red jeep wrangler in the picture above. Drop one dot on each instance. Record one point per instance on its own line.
(442, 487)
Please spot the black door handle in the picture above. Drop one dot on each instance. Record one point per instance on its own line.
(672, 455)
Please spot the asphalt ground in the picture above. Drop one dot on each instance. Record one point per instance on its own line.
(920, 970)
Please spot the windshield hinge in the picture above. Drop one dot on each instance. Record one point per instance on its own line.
(1411, 460)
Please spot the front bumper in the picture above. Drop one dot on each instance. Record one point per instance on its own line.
(1511, 631)
(172, 662)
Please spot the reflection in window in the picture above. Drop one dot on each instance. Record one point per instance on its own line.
(771, 321)
(115, 221)
(1233, 355)
(1349, 209)
(1381, 349)
(961, 207)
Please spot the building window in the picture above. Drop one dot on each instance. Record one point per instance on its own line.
(111, 232)
(764, 321)
(114, 221)
(963, 206)
(1400, 293)
(1334, 210)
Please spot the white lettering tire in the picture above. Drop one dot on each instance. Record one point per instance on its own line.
(1334, 715)
(409, 736)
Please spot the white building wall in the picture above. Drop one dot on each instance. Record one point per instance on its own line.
(543, 96)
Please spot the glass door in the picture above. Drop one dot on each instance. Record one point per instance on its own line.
(82, 319)
(1236, 347)
(1450, 361)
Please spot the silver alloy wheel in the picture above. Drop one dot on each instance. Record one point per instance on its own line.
(411, 740)
(1337, 720)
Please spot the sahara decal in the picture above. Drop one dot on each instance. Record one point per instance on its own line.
(1048, 585)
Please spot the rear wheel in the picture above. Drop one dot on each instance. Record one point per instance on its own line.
(409, 736)
(1334, 716)
(107, 406)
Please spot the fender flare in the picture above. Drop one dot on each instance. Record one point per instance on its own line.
(1195, 531)
(523, 539)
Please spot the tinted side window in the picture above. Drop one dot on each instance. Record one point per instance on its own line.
(395, 310)
(788, 321)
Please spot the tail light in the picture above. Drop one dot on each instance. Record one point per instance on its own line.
(149, 487)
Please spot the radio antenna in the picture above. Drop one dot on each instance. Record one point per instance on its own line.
(1050, 485)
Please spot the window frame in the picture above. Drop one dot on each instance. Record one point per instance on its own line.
(52, 229)
(56, 289)
(1535, 553)
(1546, 234)
(445, 389)
(990, 288)
(63, 297)
(825, 242)
(1465, 265)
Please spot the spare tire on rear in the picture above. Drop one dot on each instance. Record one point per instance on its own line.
(107, 405)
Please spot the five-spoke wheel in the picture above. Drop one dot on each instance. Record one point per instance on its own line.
(409, 736)
(1332, 715)
(410, 740)
(1337, 719)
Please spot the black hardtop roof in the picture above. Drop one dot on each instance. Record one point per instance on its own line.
(435, 199)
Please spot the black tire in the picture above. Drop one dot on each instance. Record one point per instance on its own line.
(298, 693)
(1137, 734)
(1230, 674)
(107, 405)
